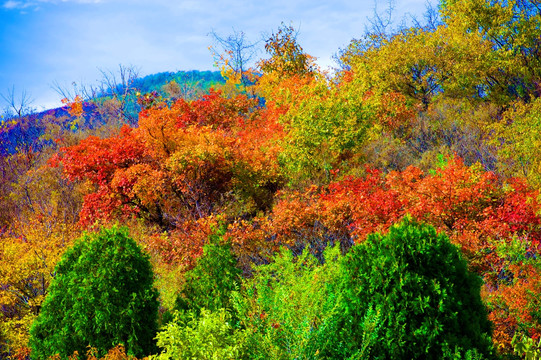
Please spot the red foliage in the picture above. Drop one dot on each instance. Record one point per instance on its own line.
(182, 162)
(519, 211)
(183, 245)
(97, 159)
(369, 202)
(214, 110)
(472, 206)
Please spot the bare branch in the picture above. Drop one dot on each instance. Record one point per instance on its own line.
(17, 106)
(432, 19)
(380, 23)
(238, 48)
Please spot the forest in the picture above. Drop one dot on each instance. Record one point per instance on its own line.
(388, 209)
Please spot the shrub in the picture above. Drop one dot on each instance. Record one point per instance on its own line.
(405, 295)
(204, 326)
(430, 303)
(210, 335)
(102, 296)
(288, 305)
(210, 283)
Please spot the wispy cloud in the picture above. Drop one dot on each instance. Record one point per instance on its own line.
(35, 4)
(15, 5)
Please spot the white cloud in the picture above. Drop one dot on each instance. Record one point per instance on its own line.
(35, 4)
(10, 4)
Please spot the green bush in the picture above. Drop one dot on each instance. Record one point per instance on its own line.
(288, 305)
(204, 326)
(102, 295)
(406, 295)
(207, 336)
(210, 283)
(430, 303)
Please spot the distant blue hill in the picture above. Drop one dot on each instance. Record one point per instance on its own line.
(26, 132)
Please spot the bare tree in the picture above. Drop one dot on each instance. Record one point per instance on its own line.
(239, 49)
(17, 106)
(380, 23)
(87, 92)
(114, 95)
(431, 17)
(121, 87)
(382, 27)
(119, 84)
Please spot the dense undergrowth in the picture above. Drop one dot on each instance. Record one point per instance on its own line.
(390, 209)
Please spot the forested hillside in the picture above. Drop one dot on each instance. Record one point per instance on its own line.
(390, 209)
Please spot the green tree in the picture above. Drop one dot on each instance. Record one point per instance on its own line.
(210, 283)
(102, 296)
(430, 303)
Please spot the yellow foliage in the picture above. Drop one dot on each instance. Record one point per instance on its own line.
(518, 137)
(421, 64)
(26, 270)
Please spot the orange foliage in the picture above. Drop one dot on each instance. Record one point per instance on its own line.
(75, 107)
(515, 305)
(183, 245)
(116, 353)
(393, 111)
(181, 163)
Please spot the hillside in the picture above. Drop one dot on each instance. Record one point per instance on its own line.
(117, 99)
(388, 210)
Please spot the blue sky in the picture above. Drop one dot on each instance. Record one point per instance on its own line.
(47, 42)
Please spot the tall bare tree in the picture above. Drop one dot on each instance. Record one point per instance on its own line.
(17, 106)
(114, 95)
(237, 50)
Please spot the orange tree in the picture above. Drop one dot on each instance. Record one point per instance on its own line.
(181, 162)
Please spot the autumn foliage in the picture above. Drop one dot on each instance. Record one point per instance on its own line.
(435, 123)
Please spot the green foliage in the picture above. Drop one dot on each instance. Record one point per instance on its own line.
(325, 127)
(102, 296)
(527, 347)
(208, 336)
(203, 326)
(210, 283)
(289, 305)
(407, 295)
(430, 304)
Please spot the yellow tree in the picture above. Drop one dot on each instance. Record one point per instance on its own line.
(513, 29)
(518, 137)
(40, 229)
(421, 64)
